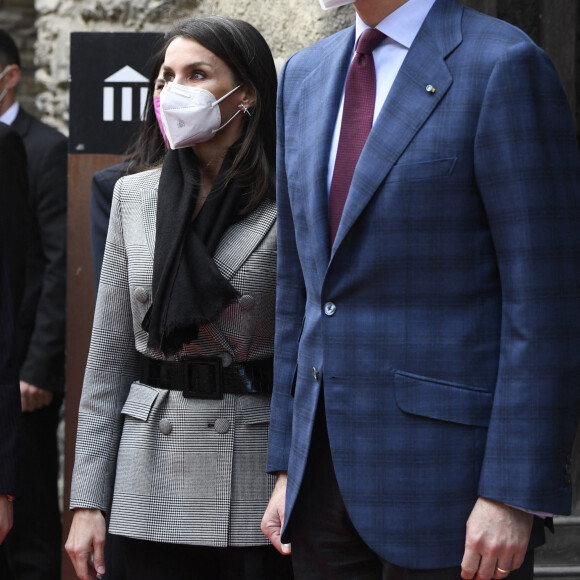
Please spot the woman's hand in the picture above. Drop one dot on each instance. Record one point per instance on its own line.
(85, 544)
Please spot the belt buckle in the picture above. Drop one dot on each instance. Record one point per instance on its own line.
(204, 378)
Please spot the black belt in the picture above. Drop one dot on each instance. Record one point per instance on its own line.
(205, 377)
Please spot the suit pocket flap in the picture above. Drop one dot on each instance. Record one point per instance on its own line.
(422, 171)
(255, 409)
(442, 400)
(140, 401)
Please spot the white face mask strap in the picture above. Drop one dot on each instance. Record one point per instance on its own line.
(225, 97)
(220, 100)
(2, 75)
(230, 120)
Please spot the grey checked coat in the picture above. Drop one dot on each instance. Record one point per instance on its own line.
(167, 468)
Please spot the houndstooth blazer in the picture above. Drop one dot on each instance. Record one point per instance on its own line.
(167, 468)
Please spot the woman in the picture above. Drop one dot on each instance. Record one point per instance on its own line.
(175, 404)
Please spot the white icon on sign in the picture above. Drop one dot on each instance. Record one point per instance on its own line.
(124, 76)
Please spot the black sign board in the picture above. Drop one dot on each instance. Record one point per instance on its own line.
(108, 84)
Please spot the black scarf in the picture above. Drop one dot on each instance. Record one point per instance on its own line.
(188, 289)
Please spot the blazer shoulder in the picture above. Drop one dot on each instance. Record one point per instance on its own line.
(487, 42)
(311, 55)
(112, 172)
(32, 128)
(133, 185)
(492, 36)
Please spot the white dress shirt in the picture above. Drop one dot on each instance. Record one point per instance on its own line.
(400, 27)
(10, 114)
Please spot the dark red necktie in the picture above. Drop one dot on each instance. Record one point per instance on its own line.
(357, 120)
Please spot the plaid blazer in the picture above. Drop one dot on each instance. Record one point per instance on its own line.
(186, 471)
(445, 320)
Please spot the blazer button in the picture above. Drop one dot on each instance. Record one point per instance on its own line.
(315, 373)
(221, 425)
(165, 426)
(141, 294)
(329, 308)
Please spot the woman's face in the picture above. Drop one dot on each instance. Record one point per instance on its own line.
(189, 63)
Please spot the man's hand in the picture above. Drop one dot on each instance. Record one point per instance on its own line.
(6, 516)
(273, 519)
(496, 542)
(33, 398)
(85, 544)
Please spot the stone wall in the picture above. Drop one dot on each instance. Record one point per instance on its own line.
(42, 29)
(287, 25)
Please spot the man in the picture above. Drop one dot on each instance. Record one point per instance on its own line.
(428, 332)
(33, 548)
(12, 257)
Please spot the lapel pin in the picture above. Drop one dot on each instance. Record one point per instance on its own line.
(430, 89)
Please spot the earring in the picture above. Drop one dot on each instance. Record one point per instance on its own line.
(245, 109)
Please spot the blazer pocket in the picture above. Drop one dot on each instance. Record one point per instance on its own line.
(255, 409)
(442, 400)
(140, 401)
(425, 170)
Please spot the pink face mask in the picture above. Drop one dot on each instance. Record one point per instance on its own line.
(157, 107)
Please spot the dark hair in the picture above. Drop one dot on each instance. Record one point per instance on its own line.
(8, 50)
(148, 149)
(248, 56)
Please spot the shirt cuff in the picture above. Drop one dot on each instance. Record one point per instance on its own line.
(542, 515)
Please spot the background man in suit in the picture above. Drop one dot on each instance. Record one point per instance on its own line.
(13, 217)
(428, 327)
(33, 547)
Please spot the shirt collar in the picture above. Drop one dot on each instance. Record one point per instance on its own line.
(10, 113)
(403, 24)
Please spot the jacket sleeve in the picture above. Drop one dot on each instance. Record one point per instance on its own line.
(13, 215)
(44, 359)
(528, 172)
(290, 307)
(111, 368)
(10, 414)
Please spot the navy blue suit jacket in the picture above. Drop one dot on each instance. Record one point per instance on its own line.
(41, 321)
(445, 319)
(13, 226)
(102, 186)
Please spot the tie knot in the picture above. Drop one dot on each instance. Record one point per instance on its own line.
(369, 40)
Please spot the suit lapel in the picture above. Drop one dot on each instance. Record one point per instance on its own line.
(320, 96)
(406, 109)
(241, 239)
(22, 122)
(148, 195)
